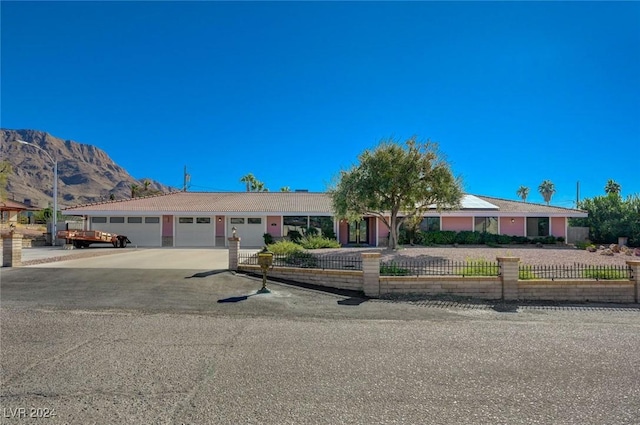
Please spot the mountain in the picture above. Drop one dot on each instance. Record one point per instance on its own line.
(85, 173)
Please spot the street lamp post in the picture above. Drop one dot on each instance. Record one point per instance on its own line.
(54, 228)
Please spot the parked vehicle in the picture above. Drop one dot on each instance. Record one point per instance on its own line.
(84, 238)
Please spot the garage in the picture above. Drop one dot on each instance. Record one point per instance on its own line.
(250, 230)
(141, 231)
(195, 231)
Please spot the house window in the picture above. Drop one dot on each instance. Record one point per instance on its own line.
(323, 224)
(486, 225)
(185, 220)
(296, 223)
(203, 220)
(537, 226)
(152, 220)
(98, 219)
(236, 220)
(116, 219)
(134, 219)
(430, 224)
(254, 220)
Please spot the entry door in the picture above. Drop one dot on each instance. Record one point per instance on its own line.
(358, 232)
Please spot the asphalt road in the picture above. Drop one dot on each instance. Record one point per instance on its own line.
(148, 346)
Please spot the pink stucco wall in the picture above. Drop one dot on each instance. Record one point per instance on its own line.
(558, 227)
(512, 229)
(457, 224)
(274, 227)
(343, 232)
(167, 225)
(371, 226)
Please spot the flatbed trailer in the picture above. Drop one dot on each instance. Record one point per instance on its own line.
(84, 238)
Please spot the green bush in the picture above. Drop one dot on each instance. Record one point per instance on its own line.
(467, 237)
(301, 259)
(294, 236)
(605, 274)
(525, 272)
(392, 269)
(317, 242)
(479, 267)
(268, 239)
(583, 244)
(284, 247)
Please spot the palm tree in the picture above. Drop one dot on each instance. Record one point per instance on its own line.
(523, 192)
(285, 189)
(547, 189)
(134, 190)
(612, 187)
(253, 184)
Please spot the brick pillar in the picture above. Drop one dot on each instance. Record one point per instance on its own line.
(371, 274)
(634, 265)
(509, 274)
(12, 250)
(234, 248)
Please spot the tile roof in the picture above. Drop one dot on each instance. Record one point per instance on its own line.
(270, 202)
(223, 202)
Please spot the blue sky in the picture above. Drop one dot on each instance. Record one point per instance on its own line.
(514, 92)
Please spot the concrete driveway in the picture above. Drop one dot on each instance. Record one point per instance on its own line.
(129, 258)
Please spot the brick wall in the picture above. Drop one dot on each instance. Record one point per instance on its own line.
(341, 279)
(488, 288)
(617, 291)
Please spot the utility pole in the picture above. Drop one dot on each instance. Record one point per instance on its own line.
(577, 193)
(187, 178)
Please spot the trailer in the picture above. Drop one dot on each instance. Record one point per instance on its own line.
(84, 238)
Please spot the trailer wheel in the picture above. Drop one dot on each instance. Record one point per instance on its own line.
(77, 244)
(123, 243)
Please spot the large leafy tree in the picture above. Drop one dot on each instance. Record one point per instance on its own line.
(611, 217)
(396, 182)
(523, 193)
(612, 187)
(547, 189)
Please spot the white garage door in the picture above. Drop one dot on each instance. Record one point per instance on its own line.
(250, 230)
(195, 231)
(141, 231)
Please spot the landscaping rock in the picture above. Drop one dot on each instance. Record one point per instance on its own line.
(615, 248)
(608, 252)
(592, 248)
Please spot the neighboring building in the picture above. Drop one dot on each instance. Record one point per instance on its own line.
(10, 210)
(206, 219)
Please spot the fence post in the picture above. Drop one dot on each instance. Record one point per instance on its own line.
(12, 249)
(634, 265)
(509, 275)
(371, 273)
(234, 248)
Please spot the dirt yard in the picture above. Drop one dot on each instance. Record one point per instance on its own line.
(547, 255)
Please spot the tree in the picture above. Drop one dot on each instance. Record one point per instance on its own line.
(547, 189)
(134, 190)
(5, 170)
(285, 189)
(253, 184)
(395, 183)
(611, 217)
(523, 192)
(612, 187)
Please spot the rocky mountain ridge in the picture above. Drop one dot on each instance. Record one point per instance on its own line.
(85, 173)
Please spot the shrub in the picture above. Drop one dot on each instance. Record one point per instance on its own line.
(317, 242)
(284, 247)
(311, 231)
(582, 244)
(525, 272)
(294, 236)
(604, 274)
(392, 269)
(268, 239)
(467, 237)
(479, 267)
(301, 259)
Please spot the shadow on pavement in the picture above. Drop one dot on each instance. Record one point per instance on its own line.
(235, 299)
(206, 274)
(352, 301)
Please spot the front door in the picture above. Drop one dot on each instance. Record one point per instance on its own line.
(358, 232)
